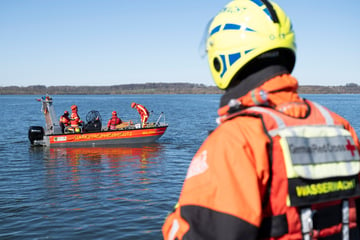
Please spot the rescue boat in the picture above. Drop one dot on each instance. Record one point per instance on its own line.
(92, 133)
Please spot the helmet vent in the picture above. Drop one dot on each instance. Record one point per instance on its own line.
(271, 10)
(217, 64)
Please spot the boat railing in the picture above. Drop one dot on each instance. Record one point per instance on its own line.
(159, 118)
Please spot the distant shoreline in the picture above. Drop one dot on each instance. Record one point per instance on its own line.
(157, 88)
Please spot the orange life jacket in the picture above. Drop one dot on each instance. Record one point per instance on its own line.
(239, 186)
(114, 120)
(74, 119)
(281, 201)
(314, 177)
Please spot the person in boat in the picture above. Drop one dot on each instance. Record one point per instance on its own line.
(113, 121)
(144, 113)
(64, 121)
(273, 168)
(75, 121)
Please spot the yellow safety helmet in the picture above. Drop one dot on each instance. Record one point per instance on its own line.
(242, 31)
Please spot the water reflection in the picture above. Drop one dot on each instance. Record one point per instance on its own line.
(95, 170)
(115, 155)
(107, 183)
(137, 157)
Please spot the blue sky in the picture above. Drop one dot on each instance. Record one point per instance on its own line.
(110, 42)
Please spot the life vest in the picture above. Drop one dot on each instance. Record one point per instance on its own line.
(114, 120)
(314, 176)
(74, 119)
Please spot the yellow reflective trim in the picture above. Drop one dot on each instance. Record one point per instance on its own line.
(319, 171)
(314, 131)
(315, 171)
(324, 188)
(287, 158)
(288, 201)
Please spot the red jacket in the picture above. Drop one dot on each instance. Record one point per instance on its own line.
(113, 121)
(65, 120)
(75, 119)
(232, 187)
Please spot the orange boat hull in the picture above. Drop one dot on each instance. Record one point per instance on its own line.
(116, 137)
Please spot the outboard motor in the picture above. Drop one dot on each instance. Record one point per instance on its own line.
(36, 133)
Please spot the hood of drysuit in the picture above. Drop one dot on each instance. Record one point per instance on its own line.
(279, 92)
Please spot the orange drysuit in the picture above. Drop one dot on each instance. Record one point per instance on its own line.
(113, 121)
(65, 120)
(144, 113)
(237, 186)
(75, 120)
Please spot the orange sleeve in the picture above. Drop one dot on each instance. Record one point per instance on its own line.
(225, 180)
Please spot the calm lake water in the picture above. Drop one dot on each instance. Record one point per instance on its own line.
(106, 193)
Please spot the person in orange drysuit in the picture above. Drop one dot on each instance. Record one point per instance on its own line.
(144, 113)
(64, 121)
(277, 166)
(75, 121)
(113, 121)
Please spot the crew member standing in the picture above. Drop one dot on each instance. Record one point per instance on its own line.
(64, 121)
(113, 121)
(75, 120)
(278, 166)
(144, 113)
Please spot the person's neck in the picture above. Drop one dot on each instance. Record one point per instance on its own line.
(252, 81)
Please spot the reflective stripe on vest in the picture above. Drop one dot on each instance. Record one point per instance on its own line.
(306, 216)
(345, 220)
(306, 223)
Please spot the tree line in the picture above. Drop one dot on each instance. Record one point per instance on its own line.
(146, 88)
(157, 88)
